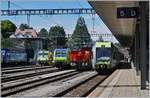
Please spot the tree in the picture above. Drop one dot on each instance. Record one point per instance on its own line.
(57, 36)
(44, 34)
(81, 35)
(6, 43)
(7, 28)
(24, 26)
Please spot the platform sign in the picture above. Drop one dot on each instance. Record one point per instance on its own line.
(127, 12)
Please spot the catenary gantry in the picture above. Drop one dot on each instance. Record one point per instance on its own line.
(48, 11)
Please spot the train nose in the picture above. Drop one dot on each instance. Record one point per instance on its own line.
(102, 66)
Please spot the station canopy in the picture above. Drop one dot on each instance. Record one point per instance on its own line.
(122, 28)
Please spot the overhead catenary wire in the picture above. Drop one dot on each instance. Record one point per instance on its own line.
(28, 16)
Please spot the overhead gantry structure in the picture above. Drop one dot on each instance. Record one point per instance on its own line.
(29, 12)
(47, 11)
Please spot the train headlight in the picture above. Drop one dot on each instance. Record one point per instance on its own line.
(102, 66)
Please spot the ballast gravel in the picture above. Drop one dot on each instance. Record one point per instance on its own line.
(52, 89)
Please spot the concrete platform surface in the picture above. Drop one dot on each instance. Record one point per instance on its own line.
(122, 83)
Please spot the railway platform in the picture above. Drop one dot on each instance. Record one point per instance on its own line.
(122, 83)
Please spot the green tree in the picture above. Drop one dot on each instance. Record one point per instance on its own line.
(57, 36)
(6, 43)
(44, 34)
(7, 28)
(81, 36)
(24, 26)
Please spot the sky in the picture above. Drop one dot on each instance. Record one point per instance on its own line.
(46, 21)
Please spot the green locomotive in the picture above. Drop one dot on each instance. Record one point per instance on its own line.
(107, 57)
(44, 57)
(61, 58)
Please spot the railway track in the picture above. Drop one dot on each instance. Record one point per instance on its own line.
(11, 89)
(21, 69)
(27, 74)
(17, 67)
(66, 83)
(83, 88)
(74, 85)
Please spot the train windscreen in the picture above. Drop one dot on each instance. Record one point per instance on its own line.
(42, 54)
(61, 53)
(103, 54)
